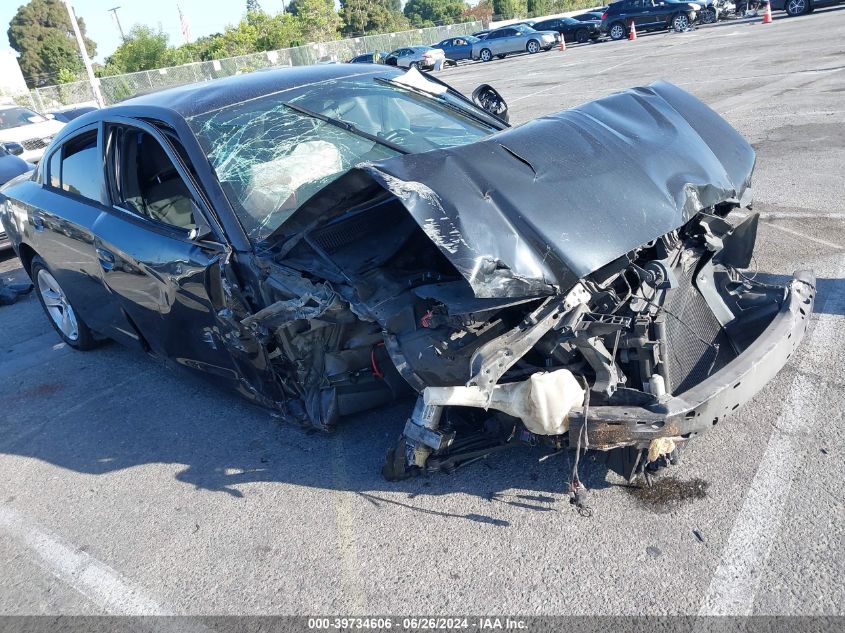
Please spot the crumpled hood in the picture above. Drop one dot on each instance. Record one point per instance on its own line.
(555, 199)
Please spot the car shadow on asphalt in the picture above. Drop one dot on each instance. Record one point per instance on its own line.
(223, 444)
(114, 408)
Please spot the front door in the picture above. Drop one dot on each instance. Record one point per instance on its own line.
(166, 264)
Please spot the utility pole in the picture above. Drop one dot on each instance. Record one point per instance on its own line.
(117, 19)
(95, 88)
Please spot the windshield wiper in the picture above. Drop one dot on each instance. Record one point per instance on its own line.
(348, 127)
(487, 119)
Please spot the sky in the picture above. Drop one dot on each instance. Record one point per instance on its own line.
(204, 17)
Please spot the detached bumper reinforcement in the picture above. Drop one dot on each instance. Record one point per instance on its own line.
(703, 406)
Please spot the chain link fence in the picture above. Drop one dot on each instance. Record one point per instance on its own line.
(119, 87)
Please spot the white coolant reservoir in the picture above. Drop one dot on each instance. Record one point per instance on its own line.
(657, 386)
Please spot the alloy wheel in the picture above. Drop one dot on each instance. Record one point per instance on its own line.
(617, 32)
(796, 7)
(58, 307)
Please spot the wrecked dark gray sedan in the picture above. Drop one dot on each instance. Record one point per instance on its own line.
(327, 239)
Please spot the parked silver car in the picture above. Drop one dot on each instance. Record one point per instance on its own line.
(513, 39)
(422, 57)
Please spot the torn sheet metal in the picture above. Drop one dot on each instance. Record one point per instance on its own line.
(555, 199)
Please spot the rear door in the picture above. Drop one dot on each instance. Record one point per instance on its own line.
(497, 41)
(63, 213)
(513, 41)
(164, 257)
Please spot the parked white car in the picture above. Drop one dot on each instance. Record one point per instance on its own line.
(422, 57)
(513, 39)
(32, 130)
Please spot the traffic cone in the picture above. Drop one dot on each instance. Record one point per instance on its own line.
(767, 16)
(562, 43)
(632, 34)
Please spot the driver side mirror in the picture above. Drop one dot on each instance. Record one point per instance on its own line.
(487, 98)
(15, 149)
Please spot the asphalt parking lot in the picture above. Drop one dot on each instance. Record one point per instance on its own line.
(127, 488)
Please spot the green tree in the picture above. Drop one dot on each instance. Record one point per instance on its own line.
(539, 7)
(483, 12)
(41, 32)
(367, 17)
(319, 21)
(143, 49)
(507, 9)
(257, 32)
(252, 6)
(434, 12)
(66, 76)
(292, 7)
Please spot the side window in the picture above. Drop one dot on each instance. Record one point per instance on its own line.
(56, 169)
(145, 180)
(80, 167)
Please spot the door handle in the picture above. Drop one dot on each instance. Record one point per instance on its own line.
(37, 222)
(106, 259)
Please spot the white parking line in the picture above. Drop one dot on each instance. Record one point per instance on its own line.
(804, 236)
(92, 578)
(95, 580)
(736, 581)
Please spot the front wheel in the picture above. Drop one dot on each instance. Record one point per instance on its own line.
(708, 16)
(618, 31)
(582, 37)
(680, 23)
(485, 55)
(415, 65)
(796, 7)
(533, 46)
(64, 319)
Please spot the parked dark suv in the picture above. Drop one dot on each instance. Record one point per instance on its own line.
(648, 15)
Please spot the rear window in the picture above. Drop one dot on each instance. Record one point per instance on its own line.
(80, 168)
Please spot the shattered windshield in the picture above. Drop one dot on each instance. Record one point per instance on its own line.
(273, 153)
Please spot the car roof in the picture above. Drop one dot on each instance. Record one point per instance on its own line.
(193, 99)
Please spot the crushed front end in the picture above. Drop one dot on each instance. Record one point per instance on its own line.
(641, 356)
(575, 281)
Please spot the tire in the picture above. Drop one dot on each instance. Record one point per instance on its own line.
(617, 31)
(533, 46)
(485, 55)
(796, 7)
(708, 16)
(581, 36)
(64, 319)
(414, 65)
(680, 23)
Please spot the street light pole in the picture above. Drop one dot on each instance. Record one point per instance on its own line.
(95, 88)
(117, 19)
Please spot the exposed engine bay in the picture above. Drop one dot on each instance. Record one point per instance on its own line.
(373, 319)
